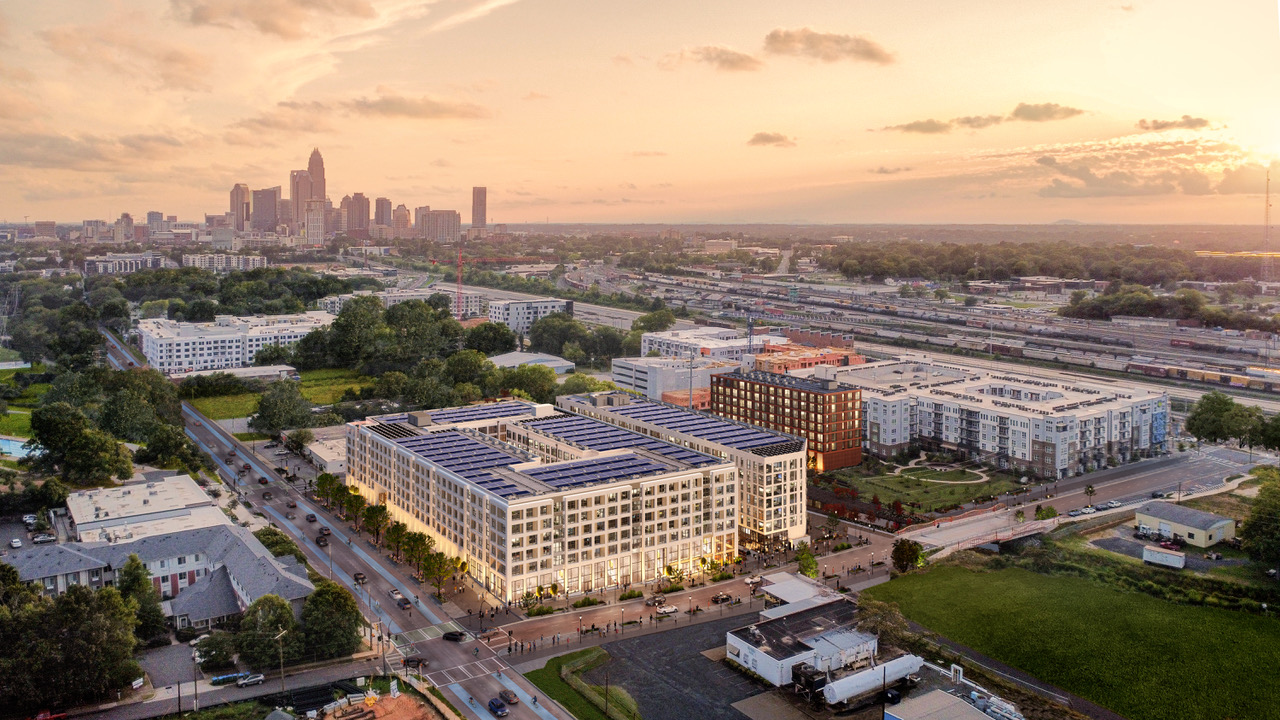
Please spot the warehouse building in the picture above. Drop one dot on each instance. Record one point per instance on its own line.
(772, 465)
(531, 497)
(1198, 528)
(1043, 427)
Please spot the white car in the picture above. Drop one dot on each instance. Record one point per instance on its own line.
(196, 642)
(29, 519)
(754, 580)
(395, 594)
(667, 610)
(1088, 510)
(15, 543)
(1113, 504)
(255, 679)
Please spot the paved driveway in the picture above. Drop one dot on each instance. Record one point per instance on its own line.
(167, 665)
(671, 680)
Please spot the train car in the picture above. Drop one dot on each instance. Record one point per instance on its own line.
(1179, 342)
(1151, 370)
(1238, 381)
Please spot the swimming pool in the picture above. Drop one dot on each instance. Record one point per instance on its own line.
(13, 447)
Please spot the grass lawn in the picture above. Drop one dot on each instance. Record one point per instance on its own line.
(252, 436)
(1226, 504)
(7, 355)
(31, 396)
(227, 406)
(548, 681)
(325, 387)
(942, 475)
(929, 495)
(1140, 656)
(16, 423)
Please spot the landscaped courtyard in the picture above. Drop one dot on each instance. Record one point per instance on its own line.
(926, 489)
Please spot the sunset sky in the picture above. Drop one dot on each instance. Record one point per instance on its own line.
(971, 111)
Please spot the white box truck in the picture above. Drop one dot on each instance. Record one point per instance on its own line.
(1160, 556)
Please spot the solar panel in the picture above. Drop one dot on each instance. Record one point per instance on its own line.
(481, 412)
(595, 470)
(458, 453)
(595, 435)
(702, 426)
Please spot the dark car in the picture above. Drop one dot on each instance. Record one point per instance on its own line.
(498, 708)
(322, 540)
(509, 697)
(290, 516)
(311, 517)
(263, 481)
(267, 495)
(654, 600)
(282, 471)
(291, 504)
(325, 531)
(417, 662)
(454, 636)
(404, 603)
(359, 578)
(721, 598)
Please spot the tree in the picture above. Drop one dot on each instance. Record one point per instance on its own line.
(539, 381)
(883, 619)
(941, 294)
(281, 407)
(1020, 515)
(134, 584)
(355, 504)
(353, 333)
(550, 333)
(831, 524)
(1247, 425)
(396, 533)
(1208, 419)
(437, 567)
(467, 366)
(805, 559)
(490, 338)
(1089, 492)
(94, 632)
(332, 621)
(970, 301)
(578, 383)
(1261, 531)
(1046, 513)
(273, 355)
(279, 543)
(376, 519)
(261, 623)
(298, 440)
(656, 321)
(218, 651)
(906, 554)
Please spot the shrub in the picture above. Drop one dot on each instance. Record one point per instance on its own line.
(188, 634)
(538, 610)
(631, 595)
(841, 546)
(722, 576)
(670, 589)
(587, 602)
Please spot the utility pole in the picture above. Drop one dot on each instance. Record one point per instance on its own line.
(280, 646)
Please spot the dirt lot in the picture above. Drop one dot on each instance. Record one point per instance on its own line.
(405, 707)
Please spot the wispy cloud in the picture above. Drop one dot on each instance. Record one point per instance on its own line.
(1043, 112)
(1186, 122)
(771, 138)
(925, 127)
(121, 50)
(882, 170)
(390, 104)
(288, 19)
(1024, 112)
(1246, 179)
(827, 47)
(476, 11)
(87, 152)
(720, 58)
(978, 122)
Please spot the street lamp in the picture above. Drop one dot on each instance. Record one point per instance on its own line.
(579, 629)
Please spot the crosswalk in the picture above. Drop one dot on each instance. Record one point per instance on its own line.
(427, 633)
(462, 673)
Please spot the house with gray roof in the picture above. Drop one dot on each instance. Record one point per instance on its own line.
(1197, 527)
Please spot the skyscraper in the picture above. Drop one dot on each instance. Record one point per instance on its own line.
(382, 212)
(155, 221)
(400, 221)
(315, 168)
(358, 217)
(479, 206)
(266, 206)
(299, 194)
(241, 200)
(441, 225)
(313, 220)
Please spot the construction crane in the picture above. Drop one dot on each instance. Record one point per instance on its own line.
(1266, 233)
(459, 297)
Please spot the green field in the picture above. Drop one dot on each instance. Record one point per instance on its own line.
(227, 406)
(1142, 657)
(17, 424)
(548, 680)
(909, 488)
(325, 387)
(7, 355)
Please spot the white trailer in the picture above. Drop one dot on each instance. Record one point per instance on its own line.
(1160, 556)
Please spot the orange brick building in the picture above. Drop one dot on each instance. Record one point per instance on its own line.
(782, 359)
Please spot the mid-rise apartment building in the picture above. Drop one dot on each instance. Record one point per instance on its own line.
(124, 263)
(771, 466)
(520, 315)
(223, 263)
(227, 342)
(530, 497)
(784, 359)
(709, 342)
(1048, 428)
(473, 304)
(823, 412)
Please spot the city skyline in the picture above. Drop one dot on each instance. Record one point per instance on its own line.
(751, 112)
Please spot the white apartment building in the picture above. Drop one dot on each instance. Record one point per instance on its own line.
(708, 342)
(228, 342)
(652, 376)
(1049, 428)
(124, 263)
(223, 263)
(520, 315)
(771, 466)
(473, 304)
(529, 496)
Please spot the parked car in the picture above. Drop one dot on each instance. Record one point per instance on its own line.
(359, 578)
(196, 642)
(721, 598)
(321, 541)
(281, 453)
(754, 580)
(325, 531)
(311, 517)
(509, 697)
(15, 543)
(1074, 513)
(417, 662)
(29, 519)
(498, 708)
(667, 610)
(272, 444)
(291, 503)
(254, 679)
(654, 600)
(395, 594)
(404, 603)
(455, 636)
(1113, 504)
(44, 538)
(1088, 510)
(1169, 545)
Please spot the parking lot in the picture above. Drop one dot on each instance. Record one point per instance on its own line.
(167, 665)
(671, 680)
(1121, 541)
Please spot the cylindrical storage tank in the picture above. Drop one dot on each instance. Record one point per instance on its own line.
(871, 679)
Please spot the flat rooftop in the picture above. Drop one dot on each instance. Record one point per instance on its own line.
(232, 325)
(830, 624)
(595, 435)
(793, 382)
(135, 500)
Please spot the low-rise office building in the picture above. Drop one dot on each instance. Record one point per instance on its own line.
(784, 359)
(772, 492)
(228, 342)
(823, 412)
(520, 315)
(1047, 428)
(707, 342)
(1199, 528)
(531, 497)
(651, 377)
(139, 509)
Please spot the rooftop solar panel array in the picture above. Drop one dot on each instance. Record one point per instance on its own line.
(702, 426)
(467, 457)
(596, 435)
(481, 412)
(595, 470)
